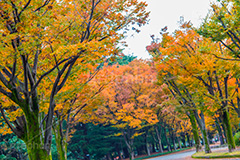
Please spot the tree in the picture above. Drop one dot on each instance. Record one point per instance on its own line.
(46, 44)
(69, 104)
(222, 25)
(93, 141)
(183, 59)
(122, 60)
(189, 55)
(168, 74)
(126, 102)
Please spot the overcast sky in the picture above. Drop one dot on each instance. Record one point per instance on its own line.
(166, 13)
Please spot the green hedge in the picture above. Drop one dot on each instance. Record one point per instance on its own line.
(237, 139)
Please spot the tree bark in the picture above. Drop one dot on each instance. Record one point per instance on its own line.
(172, 136)
(61, 143)
(202, 126)
(228, 129)
(153, 147)
(119, 153)
(179, 143)
(33, 140)
(148, 149)
(146, 143)
(159, 139)
(219, 131)
(195, 132)
(129, 142)
(165, 134)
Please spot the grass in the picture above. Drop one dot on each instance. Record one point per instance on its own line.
(160, 154)
(216, 155)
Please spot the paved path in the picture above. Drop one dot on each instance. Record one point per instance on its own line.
(186, 155)
(174, 156)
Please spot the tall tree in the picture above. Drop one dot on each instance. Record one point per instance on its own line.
(126, 101)
(185, 59)
(222, 25)
(42, 44)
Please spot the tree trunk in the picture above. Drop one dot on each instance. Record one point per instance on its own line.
(228, 129)
(157, 147)
(195, 132)
(172, 137)
(202, 126)
(174, 140)
(206, 141)
(34, 153)
(61, 143)
(129, 142)
(219, 131)
(188, 139)
(119, 152)
(159, 139)
(148, 149)
(192, 140)
(132, 155)
(224, 133)
(179, 143)
(33, 140)
(183, 139)
(165, 134)
(146, 143)
(153, 147)
(174, 144)
(223, 128)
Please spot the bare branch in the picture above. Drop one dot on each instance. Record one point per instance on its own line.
(3, 91)
(3, 80)
(34, 69)
(13, 70)
(26, 93)
(229, 32)
(229, 59)
(59, 87)
(18, 133)
(26, 5)
(44, 4)
(48, 72)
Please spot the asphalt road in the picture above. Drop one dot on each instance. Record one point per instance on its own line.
(176, 156)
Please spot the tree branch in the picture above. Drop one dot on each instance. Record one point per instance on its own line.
(26, 5)
(15, 131)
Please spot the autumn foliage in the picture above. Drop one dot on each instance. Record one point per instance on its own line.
(61, 73)
(45, 47)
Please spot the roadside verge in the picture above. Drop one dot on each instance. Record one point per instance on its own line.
(213, 155)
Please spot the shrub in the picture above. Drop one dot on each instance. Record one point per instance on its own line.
(237, 139)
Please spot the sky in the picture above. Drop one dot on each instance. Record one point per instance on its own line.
(165, 13)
